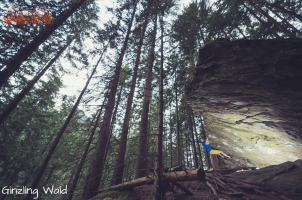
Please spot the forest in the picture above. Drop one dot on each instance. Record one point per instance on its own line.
(131, 116)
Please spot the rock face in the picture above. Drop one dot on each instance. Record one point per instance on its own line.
(249, 93)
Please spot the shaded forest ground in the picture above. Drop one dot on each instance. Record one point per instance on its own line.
(145, 192)
(198, 188)
(283, 181)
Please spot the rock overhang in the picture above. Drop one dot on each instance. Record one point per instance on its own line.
(250, 95)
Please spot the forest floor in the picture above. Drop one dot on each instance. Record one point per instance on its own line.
(275, 182)
(198, 188)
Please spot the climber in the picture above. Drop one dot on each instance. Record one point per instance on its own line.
(206, 145)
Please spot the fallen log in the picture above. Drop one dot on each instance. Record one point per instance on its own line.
(189, 175)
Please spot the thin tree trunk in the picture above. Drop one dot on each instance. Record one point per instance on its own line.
(262, 21)
(272, 20)
(60, 133)
(187, 150)
(204, 135)
(13, 104)
(192, 136)
(299, 17)
(182, 151)
(198, 146)
(171, 141)
(119, 169)
(24, 53)
(96, 166)
(81, 164)
(159, 194)
(240, 31)
(142, 152)
(283, 20)
(179, 161)
(116, 107)
(12, 179)
(46, 181)
(40, 194)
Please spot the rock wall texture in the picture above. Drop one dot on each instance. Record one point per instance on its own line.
(249, 93)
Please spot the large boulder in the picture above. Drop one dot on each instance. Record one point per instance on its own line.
(249, 93)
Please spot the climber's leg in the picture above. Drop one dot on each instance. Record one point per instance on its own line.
(223, 154)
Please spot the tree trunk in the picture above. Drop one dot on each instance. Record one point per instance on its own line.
(96, 166)
(40, 194)
(197, 138)
(119, 169)
(116, 107)
(272, 20)
(81, 164)
(187, 149)
(192, 136)
(159, 143)
(60, 133)
(283, 20)
(240, 31)
(12, 178)
(23, 54)
(299, 17)
(13, 104)
(203, 132)
(141, 161)
(179, 160)
(171, 140)
(262, 21)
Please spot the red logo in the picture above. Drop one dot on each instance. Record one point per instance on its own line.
(16, 15)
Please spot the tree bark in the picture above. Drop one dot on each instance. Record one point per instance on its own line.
(60, 133)
(240, 31)
(119, 169)
(13, 104)
(179, 160)
(203, 132)
(81, 164)
(159, 193)
(26, 51)
(188, 147)
(198, 146)
(116, 107)
(299, 17)
(192, 136)
(141, 161)
(272, 20)
(96, 166)
(262, 21)
(171, 140)
(283, 20)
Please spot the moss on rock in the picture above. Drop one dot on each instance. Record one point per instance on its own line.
(249, 93)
